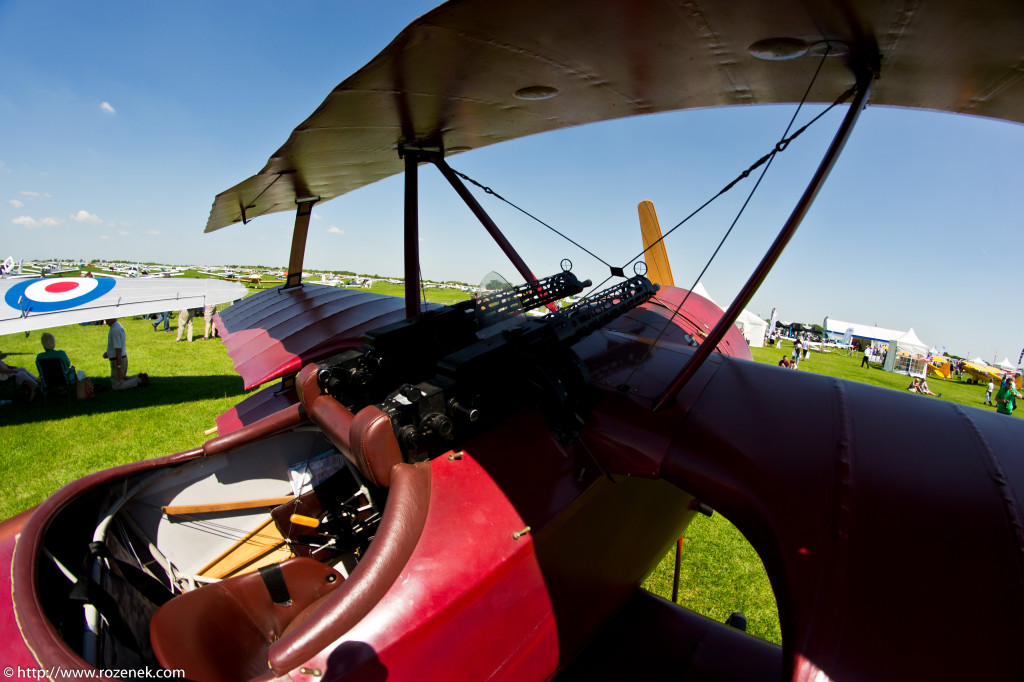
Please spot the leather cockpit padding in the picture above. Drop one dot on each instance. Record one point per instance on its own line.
(367, 438)
(222, 631)
(333, 418)
(405, 514)
(375, 448)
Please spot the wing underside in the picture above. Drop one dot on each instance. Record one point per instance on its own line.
(40, 303)
(475, 72)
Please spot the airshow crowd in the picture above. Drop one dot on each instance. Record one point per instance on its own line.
(55, 373)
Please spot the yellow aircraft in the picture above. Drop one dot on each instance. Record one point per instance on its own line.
(939, 366)
(982, 374)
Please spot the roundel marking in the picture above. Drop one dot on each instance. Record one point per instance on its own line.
(47, 295)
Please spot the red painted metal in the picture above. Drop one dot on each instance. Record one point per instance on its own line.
(16, 653)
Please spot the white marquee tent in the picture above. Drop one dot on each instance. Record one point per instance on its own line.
(838, 328)
(750, 325)
(910, 343)
(753, 328)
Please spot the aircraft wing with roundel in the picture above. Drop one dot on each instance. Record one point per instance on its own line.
(27, 304)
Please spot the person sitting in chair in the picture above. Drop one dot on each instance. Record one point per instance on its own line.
(26, 382)
(49, 343)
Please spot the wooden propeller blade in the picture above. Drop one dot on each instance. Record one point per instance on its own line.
(658, 269)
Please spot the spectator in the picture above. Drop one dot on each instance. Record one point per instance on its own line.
(1006, 398)
(118, 355)
(923, 388)
(211, 328)
(184, 320)
(166, 318)
(27, 383)
(49, 343)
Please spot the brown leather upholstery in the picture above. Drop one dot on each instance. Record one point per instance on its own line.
(222, 631)
(325, 621)
(374, 446)
(366, 439)
(333, 418)
(287, 418)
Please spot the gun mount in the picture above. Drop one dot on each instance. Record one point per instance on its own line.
(441, 380)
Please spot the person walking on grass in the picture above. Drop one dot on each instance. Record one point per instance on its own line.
(184, 320)
(1006, 398)
(988, 392)
(118, 355)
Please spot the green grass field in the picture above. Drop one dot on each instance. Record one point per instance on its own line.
(45, 446)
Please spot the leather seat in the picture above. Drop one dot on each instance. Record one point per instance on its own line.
(237, 630)
(222, 631)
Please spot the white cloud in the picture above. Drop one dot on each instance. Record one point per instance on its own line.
(26, 193)
(334, 229)
(152, 231)
(123, 232)
(15, 203)
(105, 106)
(84, 216)
(31, 223)
(103, 236)
(317, 216)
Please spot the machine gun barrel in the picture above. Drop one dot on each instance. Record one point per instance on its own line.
(500, 305)
(592, 313)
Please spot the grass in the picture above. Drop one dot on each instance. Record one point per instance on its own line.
(46, 446)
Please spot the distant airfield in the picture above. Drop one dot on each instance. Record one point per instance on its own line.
(255, 276)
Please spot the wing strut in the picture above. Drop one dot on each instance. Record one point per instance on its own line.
(302, 216)
(775, 250)
(485, 220)
(412, 232)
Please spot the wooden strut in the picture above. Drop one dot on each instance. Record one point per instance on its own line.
(774, 251)
(262, 546)
(183, 509)
(302, 216)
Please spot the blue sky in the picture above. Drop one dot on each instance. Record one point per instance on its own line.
(122, 121)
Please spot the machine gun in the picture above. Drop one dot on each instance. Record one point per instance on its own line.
(408, 351)
(446, 384)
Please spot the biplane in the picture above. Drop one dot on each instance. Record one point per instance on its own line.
(464, 491)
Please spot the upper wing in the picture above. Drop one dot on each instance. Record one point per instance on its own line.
(474, 72)
(40, 303)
